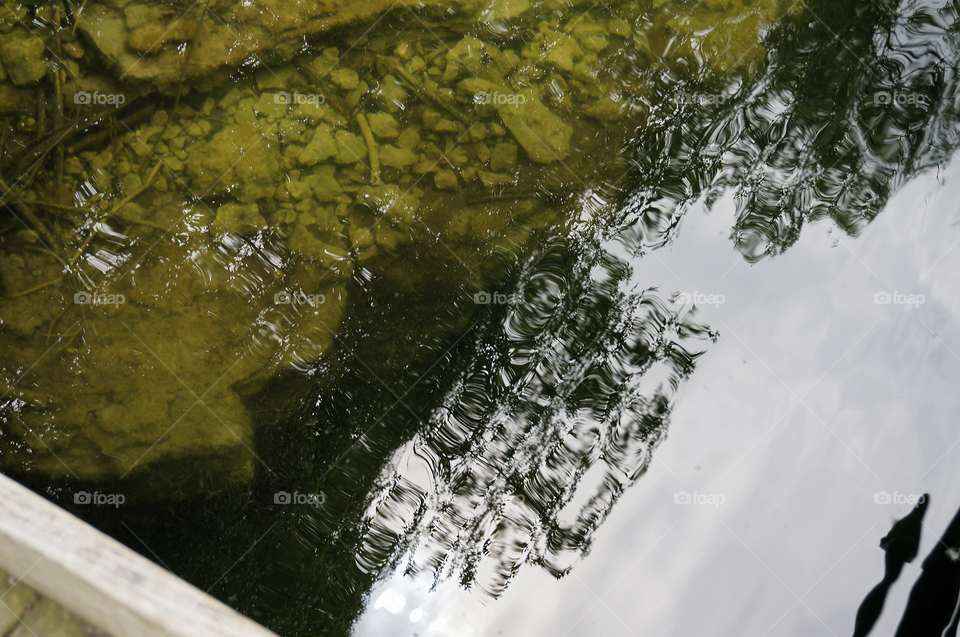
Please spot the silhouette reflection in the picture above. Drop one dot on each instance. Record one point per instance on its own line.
(901, 545)
(935, 599)
(932, 609)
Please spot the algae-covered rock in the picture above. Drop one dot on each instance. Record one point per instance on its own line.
(321, 148)
(22, 57)
(543, 135)
(350, 148)
(397, 205)
(383, 125)
(238, 160)
(298, 189)
(150, 371)
(445, 180)
(605, 109)
(505, 9)
(241, 218)
(324, 184)
(273, 106)
(470, 53)
(347, 79)
(491, 180)
(408, 139)
(312, 112)
(722, 33)
(503, 157)
(562, 51)
(325, 248)
(392, 94)
(273, 29)
(397, 157)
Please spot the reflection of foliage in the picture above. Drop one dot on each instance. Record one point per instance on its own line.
(812, 137)
(574, 376)
(569, 384)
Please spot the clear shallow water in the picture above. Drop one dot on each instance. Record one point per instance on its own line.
(813, 400)
(492, 440)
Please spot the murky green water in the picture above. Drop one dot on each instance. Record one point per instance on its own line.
(317, 288)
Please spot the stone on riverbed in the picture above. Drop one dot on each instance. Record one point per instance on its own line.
(22, 56)
(242, 219)
(542, 134)
(238, 161)
(321, 148)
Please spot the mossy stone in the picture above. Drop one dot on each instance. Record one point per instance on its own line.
(350, 148)
(503, 157)
(238, 218)
(397, 157)
(543, 135)
(22, 57)
(383, 125)
(322, 147)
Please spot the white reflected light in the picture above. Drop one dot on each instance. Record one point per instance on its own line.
(416, 614)
(391, 600)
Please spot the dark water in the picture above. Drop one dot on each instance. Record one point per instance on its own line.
(486, 443)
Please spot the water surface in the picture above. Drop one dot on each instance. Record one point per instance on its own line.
(478, 301)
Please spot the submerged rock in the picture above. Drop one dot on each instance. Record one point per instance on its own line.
(242, 219)
(321, 148)
(239, 161)
(149, 375)
(22, 57)
(543, 135)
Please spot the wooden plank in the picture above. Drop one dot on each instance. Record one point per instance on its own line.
(101, 580)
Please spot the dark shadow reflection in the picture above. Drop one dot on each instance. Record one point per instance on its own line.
(901, 545)
(934, 603)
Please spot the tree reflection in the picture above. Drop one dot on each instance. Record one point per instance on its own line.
(853, 100)
(560, 406)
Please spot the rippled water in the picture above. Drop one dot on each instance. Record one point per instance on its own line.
(333, 383)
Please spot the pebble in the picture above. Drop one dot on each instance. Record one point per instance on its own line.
(347, 79)
(445, 180)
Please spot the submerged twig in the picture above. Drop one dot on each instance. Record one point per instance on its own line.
(35, 289)
(24, 208)
(371, 149)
